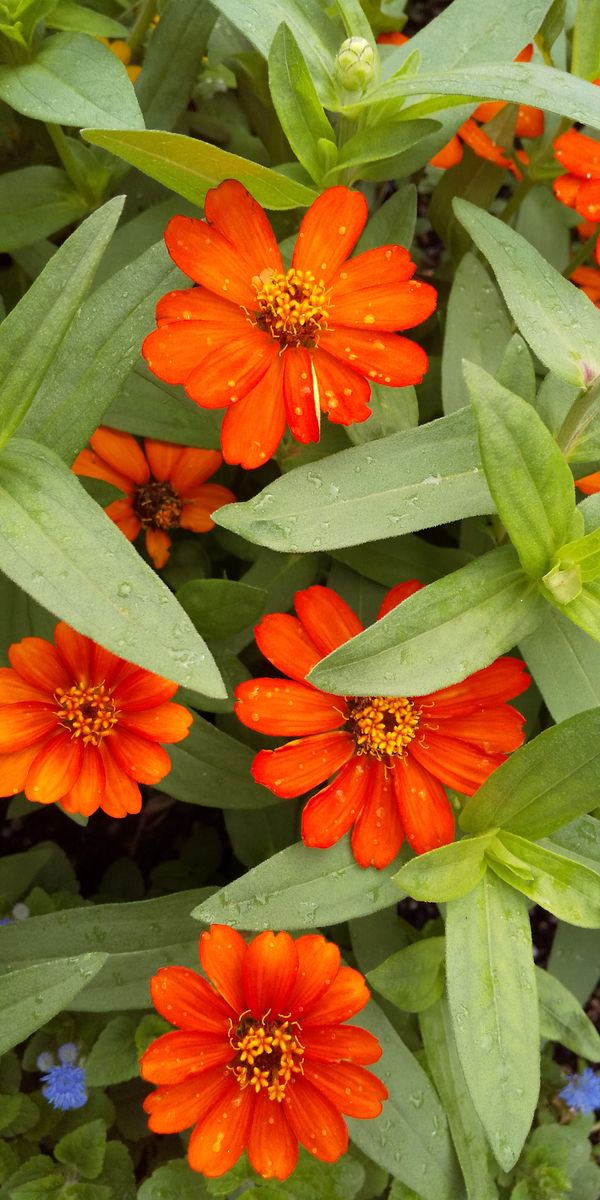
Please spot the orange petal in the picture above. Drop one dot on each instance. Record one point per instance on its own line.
(282, 707)
(142, 689)
(318, 965)
(343, 394)
(329, 231)
(122, 795)
(76, 652)
(231, 369)
(23, 724)
(210, 259)
(346, 996)
(590, 484)
(253, 427)
(386, 266)
(285, 643)
(456, 764)
(177, 348)
(488, 110)
(449, 155)
(162, 723)
(162, 457)
(122, 452)
(565, 189)
(197, 304)
(171, 1058)
(272, 1147)
(14, 768)
(502, 680)
(386, 307)
(530, 122)
(329, 814)
(39, 664)
(352, 1090)
(14, 689)
(177, 1107)
(93, 467)
(378, 831)
(393, 39)
(587, 201)
(158, 546)
(482, 145)
(301, 765)
(269, 973)
(383, 357)
(87, 793)
(141, 759)
(221, 1135)
(55, 769)
(425, 809)
(336, 1043)
(121, 512)
(193, 468)
(299, 396)
(578, 154)
(197, 509)
(184, 998)
(327, 619)
(231, 210)
(396, 594)
(494, 731)
(222, 954)
(315, 1121)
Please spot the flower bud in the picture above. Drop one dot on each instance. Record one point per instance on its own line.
(564, 582)
(355, 64)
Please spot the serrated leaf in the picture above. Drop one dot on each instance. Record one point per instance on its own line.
(84, 1148)
(113, 1057)
(33, 995)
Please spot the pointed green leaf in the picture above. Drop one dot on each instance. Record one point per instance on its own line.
(562, 1018)
(446, 873)
(565, 663)
(568, 889)
(213, 769)
(35, 202)
(84, 1148)
(412, 978)
(477, 328)
(31, 996)
(171, 61)
(296, 102)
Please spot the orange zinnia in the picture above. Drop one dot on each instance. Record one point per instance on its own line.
(389, 756)
(165, 486)
(261, 1060)
(588, 279)
(271, 345)
(580, 187)
(80, 727)
(589, 484)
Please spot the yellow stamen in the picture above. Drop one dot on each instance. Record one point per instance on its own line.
(383, 726)
(291, 307)
(268, 1055)
(88, 713)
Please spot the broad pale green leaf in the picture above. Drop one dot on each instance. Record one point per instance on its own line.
(220, 607)
(31, 335)
(378, 146)
(147, 406)
(450, 1083)
(412, 978)
(449, 629)
(393, 223)
(543, 221)
(392, 411)
(32, 995)
(302, 889)
(565, 663)
(563, 1020)
(473, 178)
(73, 80)
(410, 1139)
(171, 61)
(18, 871)
(35, 202)
(477, 328)
(74, 18)
(575, 959)
(493, 1003)
(557, 320)
(395, 559)
(213, 769)
(446, 873)
(190, 167)
(585, 60)
(52, 538)
(583, 610)
(517, 372)
(297, 104)
(544, 785)
(411, 480)
(528, 476)
(566, 888)
(579, 840)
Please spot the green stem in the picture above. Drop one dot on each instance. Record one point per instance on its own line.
(585, 408)
(517, 198)
(581, 254)
(142, 25)
(70, 163)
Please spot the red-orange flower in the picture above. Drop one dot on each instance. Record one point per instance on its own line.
(165, 486)
(262, 1059)
(271, 345)
(589, 484)
(80, 727)
(389, 756)
(588, 279)
(580, 187)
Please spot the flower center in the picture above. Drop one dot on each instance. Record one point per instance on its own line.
(382, 725)
(291, 307)
(87, 712)
(268, 1054)
(157, 505)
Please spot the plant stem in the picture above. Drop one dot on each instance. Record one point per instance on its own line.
(581, 254)
(141, 25)
(585, 408)
(70, 163)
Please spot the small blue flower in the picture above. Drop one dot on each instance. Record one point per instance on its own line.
(582, 1092)
(64, 1083)
(20, 912)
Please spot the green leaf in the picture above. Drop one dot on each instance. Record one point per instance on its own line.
(566, 888)
(528, 477)
(220, 607)
(565, 663)
(575, 959)
(33, 995)
(583, 609)
(545, 784)
(393, 223)
(171, 61)
(378, 145)
(580, 839)
(474, 32)
(73, 80)
(448, 1077)
(563, 1020)
(117, 1172)
(557, 320)
(37, 1179)
(35, 202)
(211, 768)
(301, 889)
(312, 1179)
(84, 1148)
(18, 871)
(413, 978)
(446, 873)
(477, 328)
(75, 18)
(411, 480)
(113, 1057)
(297, 103)
(190, 167)
(173, 1179)
(439, 635)
(585, 57)
(149, 407)
(543, 222)
(402, 558)
(493, 1003)
(32, 333)
(517, 372)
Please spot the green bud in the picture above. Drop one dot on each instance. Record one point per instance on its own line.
(355, 64)
(563, 580)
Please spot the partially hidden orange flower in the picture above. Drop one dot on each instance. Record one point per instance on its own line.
(82, 728)
(589, 484)
(390, 757)
(273, 346)
(122, 51)
(579, 188)
(262, 1059)
(588, 279)
(164, 484)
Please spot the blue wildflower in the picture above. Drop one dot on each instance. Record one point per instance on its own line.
(20, 912)
(64, 1082)
(582, 1092)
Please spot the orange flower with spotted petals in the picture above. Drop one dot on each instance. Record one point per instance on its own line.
(273, 346)
(579, 188)
(165, 486)
(389, 757)
(261, 1058)
(82, 728)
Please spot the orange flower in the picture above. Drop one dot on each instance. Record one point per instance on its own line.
(389, 756)
(261, 1059)
(590, 484)
(80, 727)
(165, 486)
(580, 187)
(588, 279)
(271, 345)
(122, 51)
